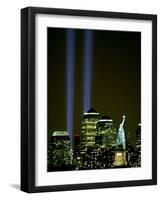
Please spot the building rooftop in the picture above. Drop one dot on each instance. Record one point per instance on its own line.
(60, 133)
(91, 111)
(105, 119)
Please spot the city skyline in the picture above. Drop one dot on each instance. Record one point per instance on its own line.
(100, 145)
(114, 74)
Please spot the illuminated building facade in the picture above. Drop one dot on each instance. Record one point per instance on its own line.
(59, 152)
(97, 158)
(106, 133)
(99, 146)
(88, 132)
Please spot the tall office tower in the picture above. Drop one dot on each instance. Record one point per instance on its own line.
(59, 152)
(120, 153)
(138, 145)
(88, 132)
(106, 133)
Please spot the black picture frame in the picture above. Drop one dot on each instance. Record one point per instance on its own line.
(28, 99)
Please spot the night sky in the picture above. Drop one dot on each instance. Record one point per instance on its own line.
(115, 77)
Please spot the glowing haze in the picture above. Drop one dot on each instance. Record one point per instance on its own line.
(70, 79)
(87, 70)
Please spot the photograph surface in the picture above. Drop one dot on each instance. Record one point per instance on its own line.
(94, 99)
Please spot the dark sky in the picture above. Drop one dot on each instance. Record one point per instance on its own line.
(116, 77)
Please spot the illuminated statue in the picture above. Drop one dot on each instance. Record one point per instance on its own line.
(120, 153)
(121, 135)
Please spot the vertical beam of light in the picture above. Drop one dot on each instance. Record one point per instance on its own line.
(70, 80)
(87, 70)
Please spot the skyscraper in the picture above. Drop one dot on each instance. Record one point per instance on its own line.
(59, 152)
(106, 133)
(88, 132)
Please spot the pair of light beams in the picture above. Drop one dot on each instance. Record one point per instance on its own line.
(87, 74)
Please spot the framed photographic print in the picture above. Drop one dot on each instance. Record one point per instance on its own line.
(88, 99)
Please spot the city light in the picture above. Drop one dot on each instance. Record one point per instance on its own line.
(70, 46)
(97, 146)
(88, 45)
